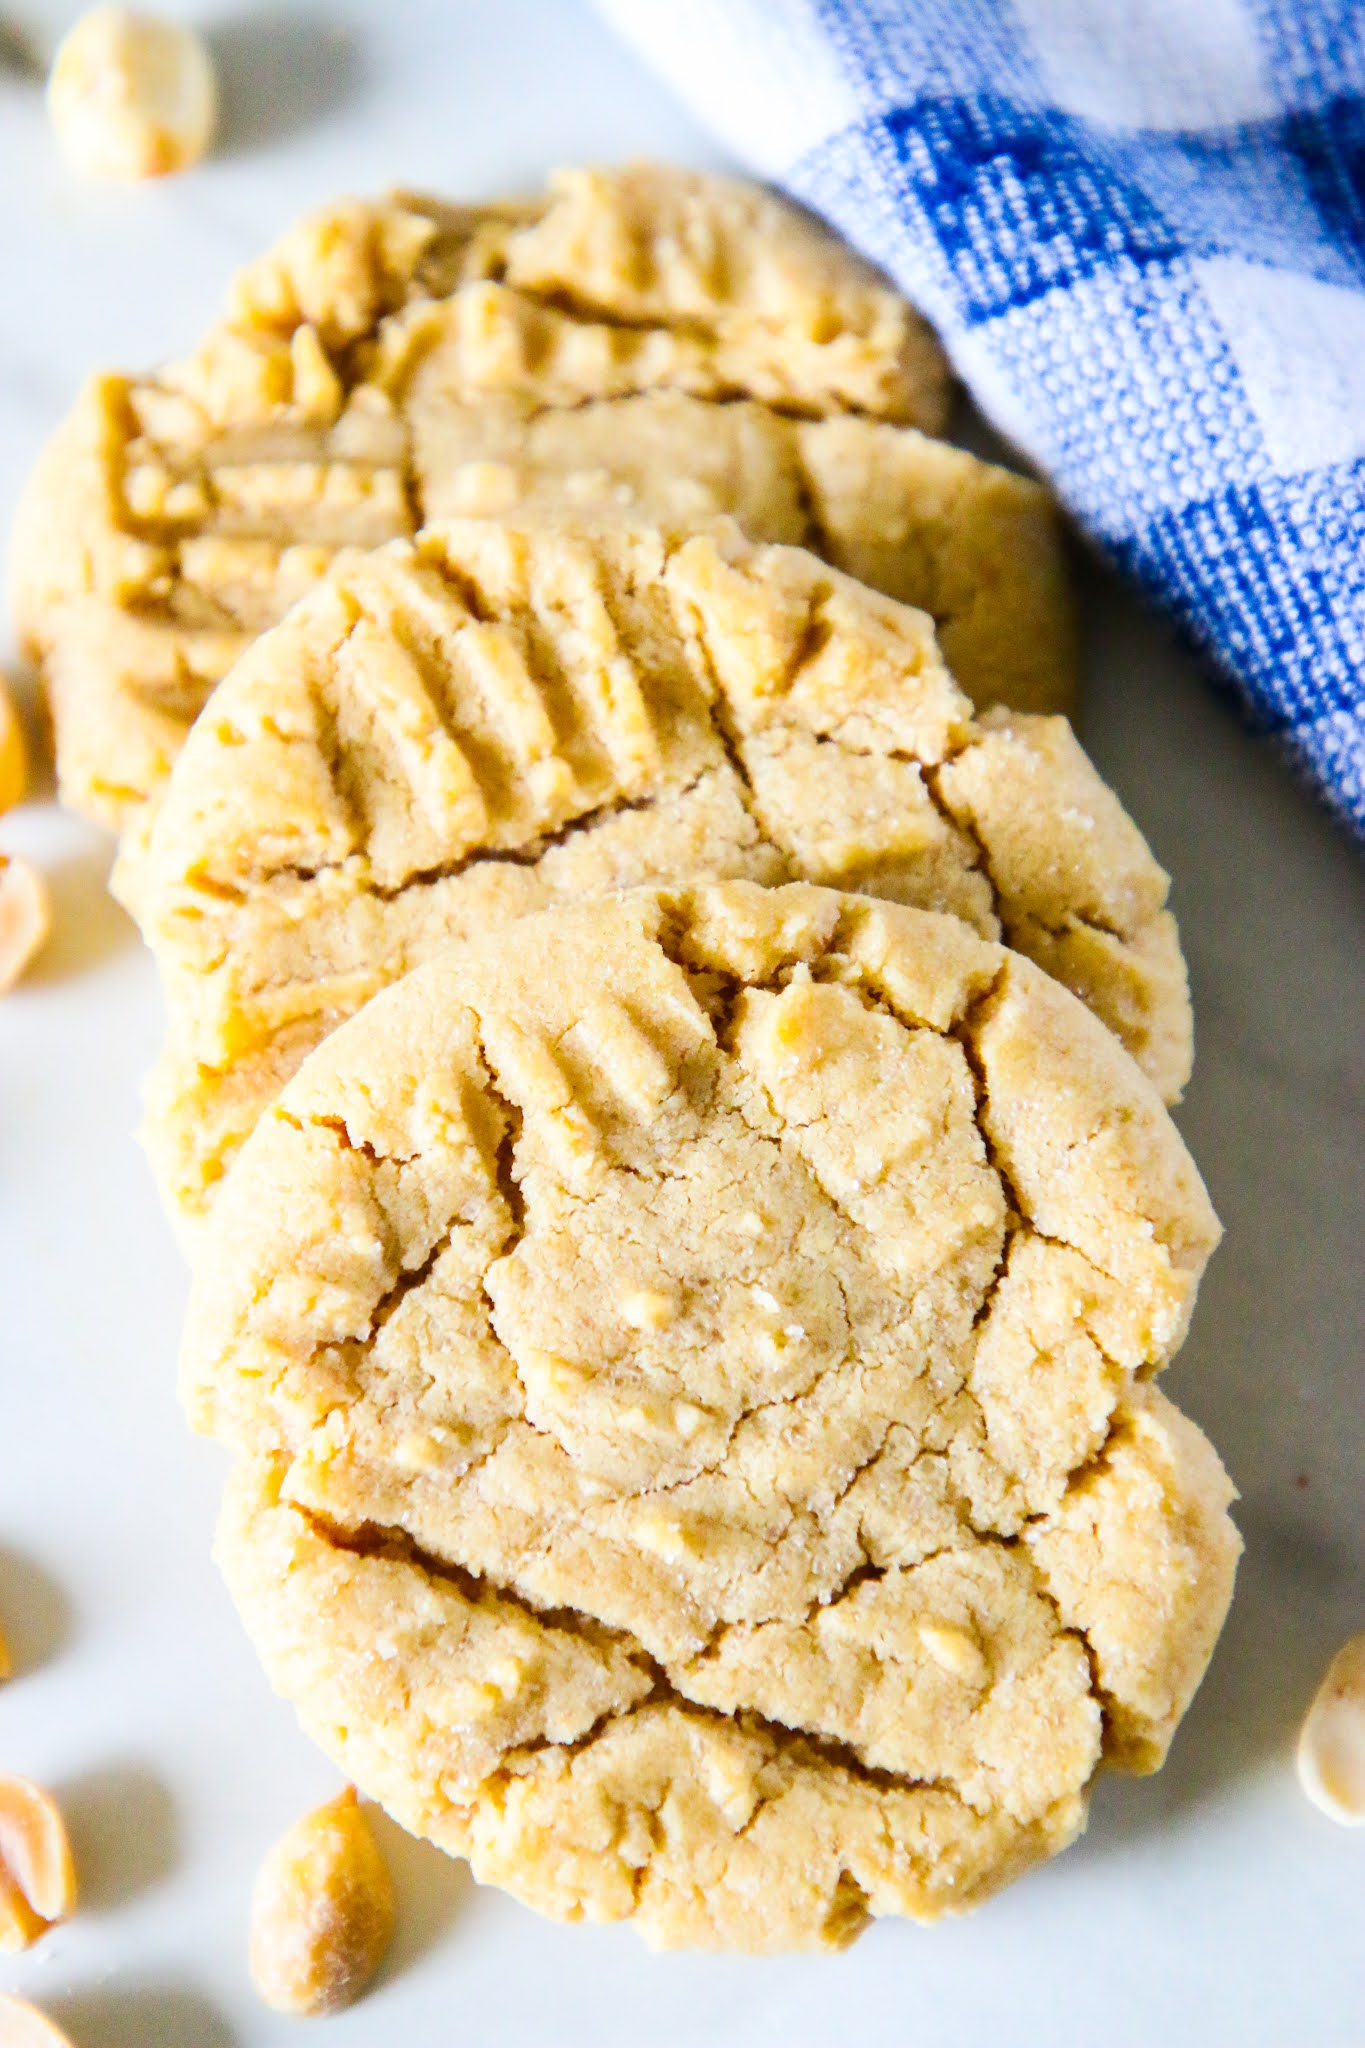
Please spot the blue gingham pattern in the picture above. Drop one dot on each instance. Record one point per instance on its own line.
(1139, 226)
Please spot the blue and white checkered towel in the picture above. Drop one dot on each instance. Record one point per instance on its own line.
(1139, 226)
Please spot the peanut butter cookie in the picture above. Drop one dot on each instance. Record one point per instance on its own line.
(675, 343)
(690, 1360)
(453, 731)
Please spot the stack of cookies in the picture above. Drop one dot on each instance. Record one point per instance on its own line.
(668, 1030)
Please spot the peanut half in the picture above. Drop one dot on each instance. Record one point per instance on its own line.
(23, 2026)
(1332, 1742)
(37, 1876)
(131, 95)
(25, 918)
(321, 1913)
(13, 753)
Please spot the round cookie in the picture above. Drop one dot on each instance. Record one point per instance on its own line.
(690, 1360)
(674, 342)
(454, 731)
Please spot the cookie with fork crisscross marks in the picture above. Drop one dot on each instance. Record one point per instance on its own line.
(675, 342)
(690, 1359)
(454, 731)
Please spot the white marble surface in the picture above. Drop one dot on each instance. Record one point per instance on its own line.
(1209, 1906)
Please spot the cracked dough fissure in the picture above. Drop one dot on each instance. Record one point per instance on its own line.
(397, 362)
(453, 732)
(740, 1124)
(371, 1540)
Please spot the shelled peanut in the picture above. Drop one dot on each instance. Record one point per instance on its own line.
(37, 1875)
(322, 1912)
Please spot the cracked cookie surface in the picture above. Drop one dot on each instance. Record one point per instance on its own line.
(669, 342)
(451, 732)
(690, 1361)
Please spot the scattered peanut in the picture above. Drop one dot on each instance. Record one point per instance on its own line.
(23, 2026)
(13, 753)
(132, 96)
(321, 1913)
(1332, 1741)
(37, 1876)
(25, 918)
